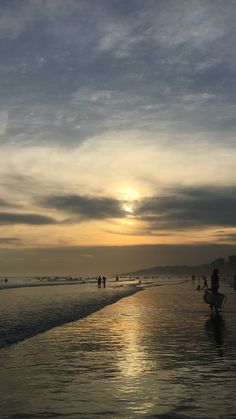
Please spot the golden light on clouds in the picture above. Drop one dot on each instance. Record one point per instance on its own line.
(115, 174)
(129, 194)
(128, 208)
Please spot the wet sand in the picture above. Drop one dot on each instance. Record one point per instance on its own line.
(157, 354)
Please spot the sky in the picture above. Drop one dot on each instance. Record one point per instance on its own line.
(117, 134)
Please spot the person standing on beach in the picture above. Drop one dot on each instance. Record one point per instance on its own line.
(214, 288)
(99, 282)
(205, 286)
(104, 281)
(215, 281)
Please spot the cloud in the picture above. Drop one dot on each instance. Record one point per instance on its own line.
(3, 203)
(9, 240)
(86, 207)
(3, 122)
(9, 203)
(166, 67)
(14, 20)
(183, 24)
(182, 208)
(7, 218)
(190, 207)
(225, 236)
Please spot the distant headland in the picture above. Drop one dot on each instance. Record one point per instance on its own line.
(225, 266)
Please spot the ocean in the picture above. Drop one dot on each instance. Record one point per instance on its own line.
(152, 350)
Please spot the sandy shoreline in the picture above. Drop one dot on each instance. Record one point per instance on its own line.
(157, 353)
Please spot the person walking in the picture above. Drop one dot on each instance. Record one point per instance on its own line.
(215, 281)
(214, 288)
(205, 285)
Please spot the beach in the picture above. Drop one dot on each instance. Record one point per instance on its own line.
(155, 353)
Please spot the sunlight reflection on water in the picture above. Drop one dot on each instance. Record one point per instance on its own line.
(158, 353)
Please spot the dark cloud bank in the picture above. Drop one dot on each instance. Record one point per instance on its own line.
(181, 208)
(7, 218)
(86, 207)
(191, 207)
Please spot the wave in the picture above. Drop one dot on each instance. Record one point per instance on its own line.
(38, 284)
(18, 282)
(25, 312)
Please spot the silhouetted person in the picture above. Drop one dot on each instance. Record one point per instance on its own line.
(99, 282)
(214, 285)
(205, 285)
(117, 278)
(104, 281)
(6, 280)
(215, 281)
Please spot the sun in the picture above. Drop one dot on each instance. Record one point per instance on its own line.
(129, 194)
(128, 208)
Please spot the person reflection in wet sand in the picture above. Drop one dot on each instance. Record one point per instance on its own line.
(215, 328)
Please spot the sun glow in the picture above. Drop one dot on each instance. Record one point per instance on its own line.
(129, 194)
(128, 208)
